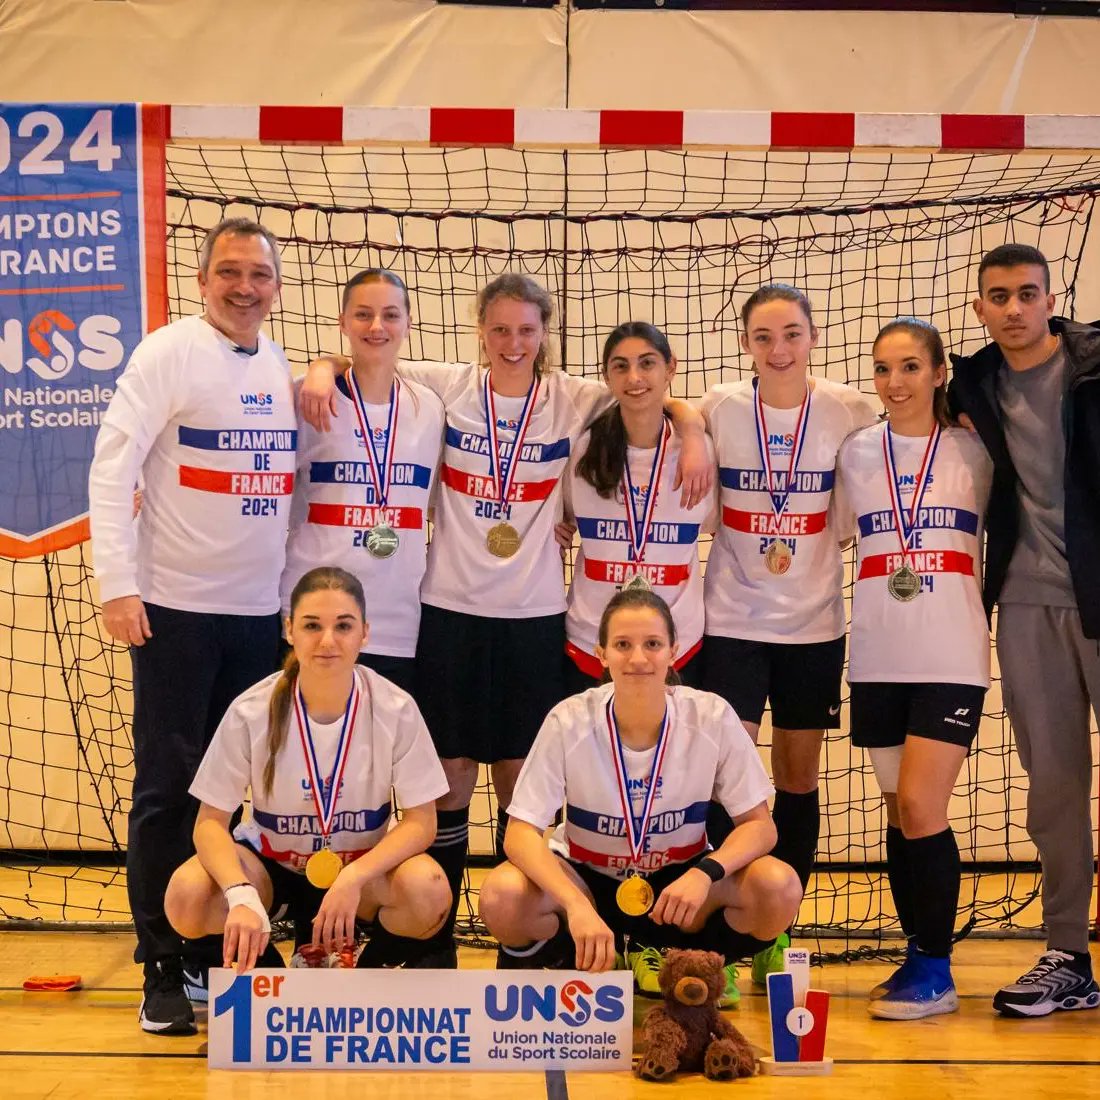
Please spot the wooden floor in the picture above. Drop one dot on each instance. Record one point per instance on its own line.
(88, 1043)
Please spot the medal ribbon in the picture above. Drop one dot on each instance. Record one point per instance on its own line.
(501, 470)
(381, 473)
(779, 498)
(326, 807)
(639, 529)
(635, 828)
(906, 525)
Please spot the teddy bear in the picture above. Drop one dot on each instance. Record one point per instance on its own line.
(687, 1032)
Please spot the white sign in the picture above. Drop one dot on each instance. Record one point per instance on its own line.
(421, 1019)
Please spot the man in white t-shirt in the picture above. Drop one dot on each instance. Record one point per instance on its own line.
(203, 418)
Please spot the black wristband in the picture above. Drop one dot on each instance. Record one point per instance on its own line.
(711, 868)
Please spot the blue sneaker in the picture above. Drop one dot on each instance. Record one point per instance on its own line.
(927, 990)
(899, 976)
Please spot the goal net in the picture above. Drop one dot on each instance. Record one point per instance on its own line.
(679, 238)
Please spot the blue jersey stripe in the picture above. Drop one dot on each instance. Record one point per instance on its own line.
(662, 821)
(473, 443)
(805, 481)
(359, 473)
(929, 518)
(669, 533)
(238, 439)
(345, 821)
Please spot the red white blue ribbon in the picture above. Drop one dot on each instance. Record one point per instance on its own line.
(380, 472)
(779, 495)
(503, 470)
(906, 525)
(639, 528)
(636, 825)
(326, 804)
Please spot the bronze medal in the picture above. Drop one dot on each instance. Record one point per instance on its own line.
(903, 584)
(778, 557)
(503, 540)
(323, 867)
(382, 541)
(634, 896)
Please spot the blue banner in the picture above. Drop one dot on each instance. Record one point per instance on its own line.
(76, 259)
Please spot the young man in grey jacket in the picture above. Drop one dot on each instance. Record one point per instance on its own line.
(1033, 396)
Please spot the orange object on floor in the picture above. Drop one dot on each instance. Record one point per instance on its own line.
(55, 983)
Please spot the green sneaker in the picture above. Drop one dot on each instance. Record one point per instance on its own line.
(646, 964)
(770, 960)
(731, 995)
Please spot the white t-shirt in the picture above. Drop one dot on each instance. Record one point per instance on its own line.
(390, 748)
(709, 755)
(670, 563)
(941, 636)
(212, 432)
(462, 575)
(334, 508)
(742, 598)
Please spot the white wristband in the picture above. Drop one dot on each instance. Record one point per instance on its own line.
(247, 895)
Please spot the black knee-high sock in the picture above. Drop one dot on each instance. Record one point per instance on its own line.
(204, 951)
(901, 878)
(797, 820)
(934, 868)
(452, 841)
(386, 948)
(502, 825)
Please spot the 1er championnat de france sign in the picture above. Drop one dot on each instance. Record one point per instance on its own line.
(410, 1019)
(81, 281)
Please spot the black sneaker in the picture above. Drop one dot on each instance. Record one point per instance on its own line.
(1053, 982)
(165, 1009)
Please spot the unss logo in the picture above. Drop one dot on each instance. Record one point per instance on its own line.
(60, 344)
(574, 1004)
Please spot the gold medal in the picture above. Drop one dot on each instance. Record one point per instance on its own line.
(635, 582)
(634, 896)
(322, 868)
(503, 540)
(777, 557)
(903, 584)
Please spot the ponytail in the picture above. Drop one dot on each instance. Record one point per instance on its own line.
(278, 718)
(604, 460)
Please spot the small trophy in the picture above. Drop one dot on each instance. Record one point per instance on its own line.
(799, 1017)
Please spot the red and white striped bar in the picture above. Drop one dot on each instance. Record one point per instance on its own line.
(565, 128)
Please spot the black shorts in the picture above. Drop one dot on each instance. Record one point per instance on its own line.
(293, 896)
(398, 670)
(485, 685)
(800, 680)
(882, 714)
(715, 935)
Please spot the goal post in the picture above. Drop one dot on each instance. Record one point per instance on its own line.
(667, 216)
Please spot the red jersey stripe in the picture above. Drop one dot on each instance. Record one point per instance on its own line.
(765, 523)
(365, 515)
(237, 482)
(482, 487)
(920, 561)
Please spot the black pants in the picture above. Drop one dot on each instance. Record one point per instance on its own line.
(185, 676)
